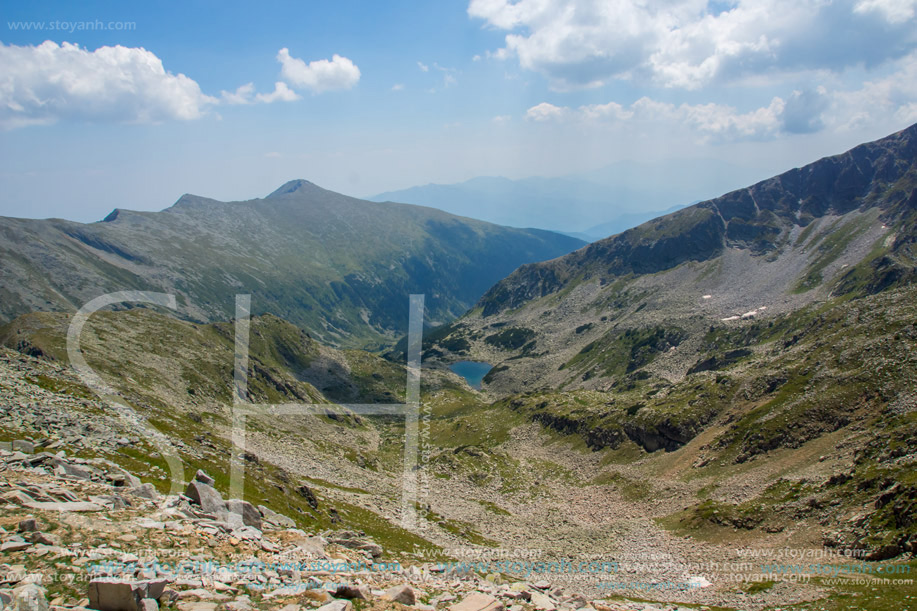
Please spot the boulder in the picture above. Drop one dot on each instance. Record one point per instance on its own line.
(478, 601)
(206, 497)
(203, 478)
(337, 605)
(144, 491)
(353, 592)
(276, 519)
(43, 538)
(21, 445)
(306, 493)
(29, 525)
(246, 511)
(114, 594)
(65, 469)
(14, 546)
(75, 506)
(123, 479)
(543, 602)
(403, 594)
(199, 605)
(247, 533)
(17, 496)
(30, 597)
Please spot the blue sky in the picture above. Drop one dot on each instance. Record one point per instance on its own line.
(231, 99)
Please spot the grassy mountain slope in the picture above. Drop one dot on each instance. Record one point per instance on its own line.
(337, 265)
(178, 377)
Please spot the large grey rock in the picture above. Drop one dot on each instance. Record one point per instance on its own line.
(249, 515)
(17, 496)
(478, 601)
(21, 445)
(123, 479)
(403, 594)
(123, 595)
(30, 597)
(543, 602)
(203, 478)
(14, 546)
(43, 538)
(75, 506)
(337, 605)
(277, 519)
(144, 491)
(206, 497)
(74, 471)
(352, 592)
(29, 525)
(247, 533)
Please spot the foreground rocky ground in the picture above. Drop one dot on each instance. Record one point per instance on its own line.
(85, 526)
(87, 534)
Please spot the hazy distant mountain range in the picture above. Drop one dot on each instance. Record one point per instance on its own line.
(591, 205)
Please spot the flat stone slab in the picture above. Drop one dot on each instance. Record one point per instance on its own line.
(478, 601)
(15, 546)
(337, 605)
(75, 506)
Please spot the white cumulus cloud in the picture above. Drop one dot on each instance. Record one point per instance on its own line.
(319, 75)
(896, 11)
(50, 82)
(691, 43)
(246, 95)
(710, 121)
(281, 93)
(546, 112)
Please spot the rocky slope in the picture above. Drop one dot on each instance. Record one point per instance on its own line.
(716, 407)
(844, 225)
(500, 488)
(339, 266)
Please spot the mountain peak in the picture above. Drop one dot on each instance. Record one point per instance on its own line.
(294, 186)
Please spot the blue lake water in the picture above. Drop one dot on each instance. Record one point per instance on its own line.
(472, 371)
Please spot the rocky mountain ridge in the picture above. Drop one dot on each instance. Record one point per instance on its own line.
(339, 266)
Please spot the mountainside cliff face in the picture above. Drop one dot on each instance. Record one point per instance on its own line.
(844, 225)
(759, 345)
(339, 266)
(760, 220)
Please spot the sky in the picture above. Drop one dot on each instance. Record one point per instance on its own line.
(131, 105)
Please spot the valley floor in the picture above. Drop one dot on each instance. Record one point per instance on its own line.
(493, 511)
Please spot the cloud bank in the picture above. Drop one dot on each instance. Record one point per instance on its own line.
(689, 44)
(320, 75)
(47, 83)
